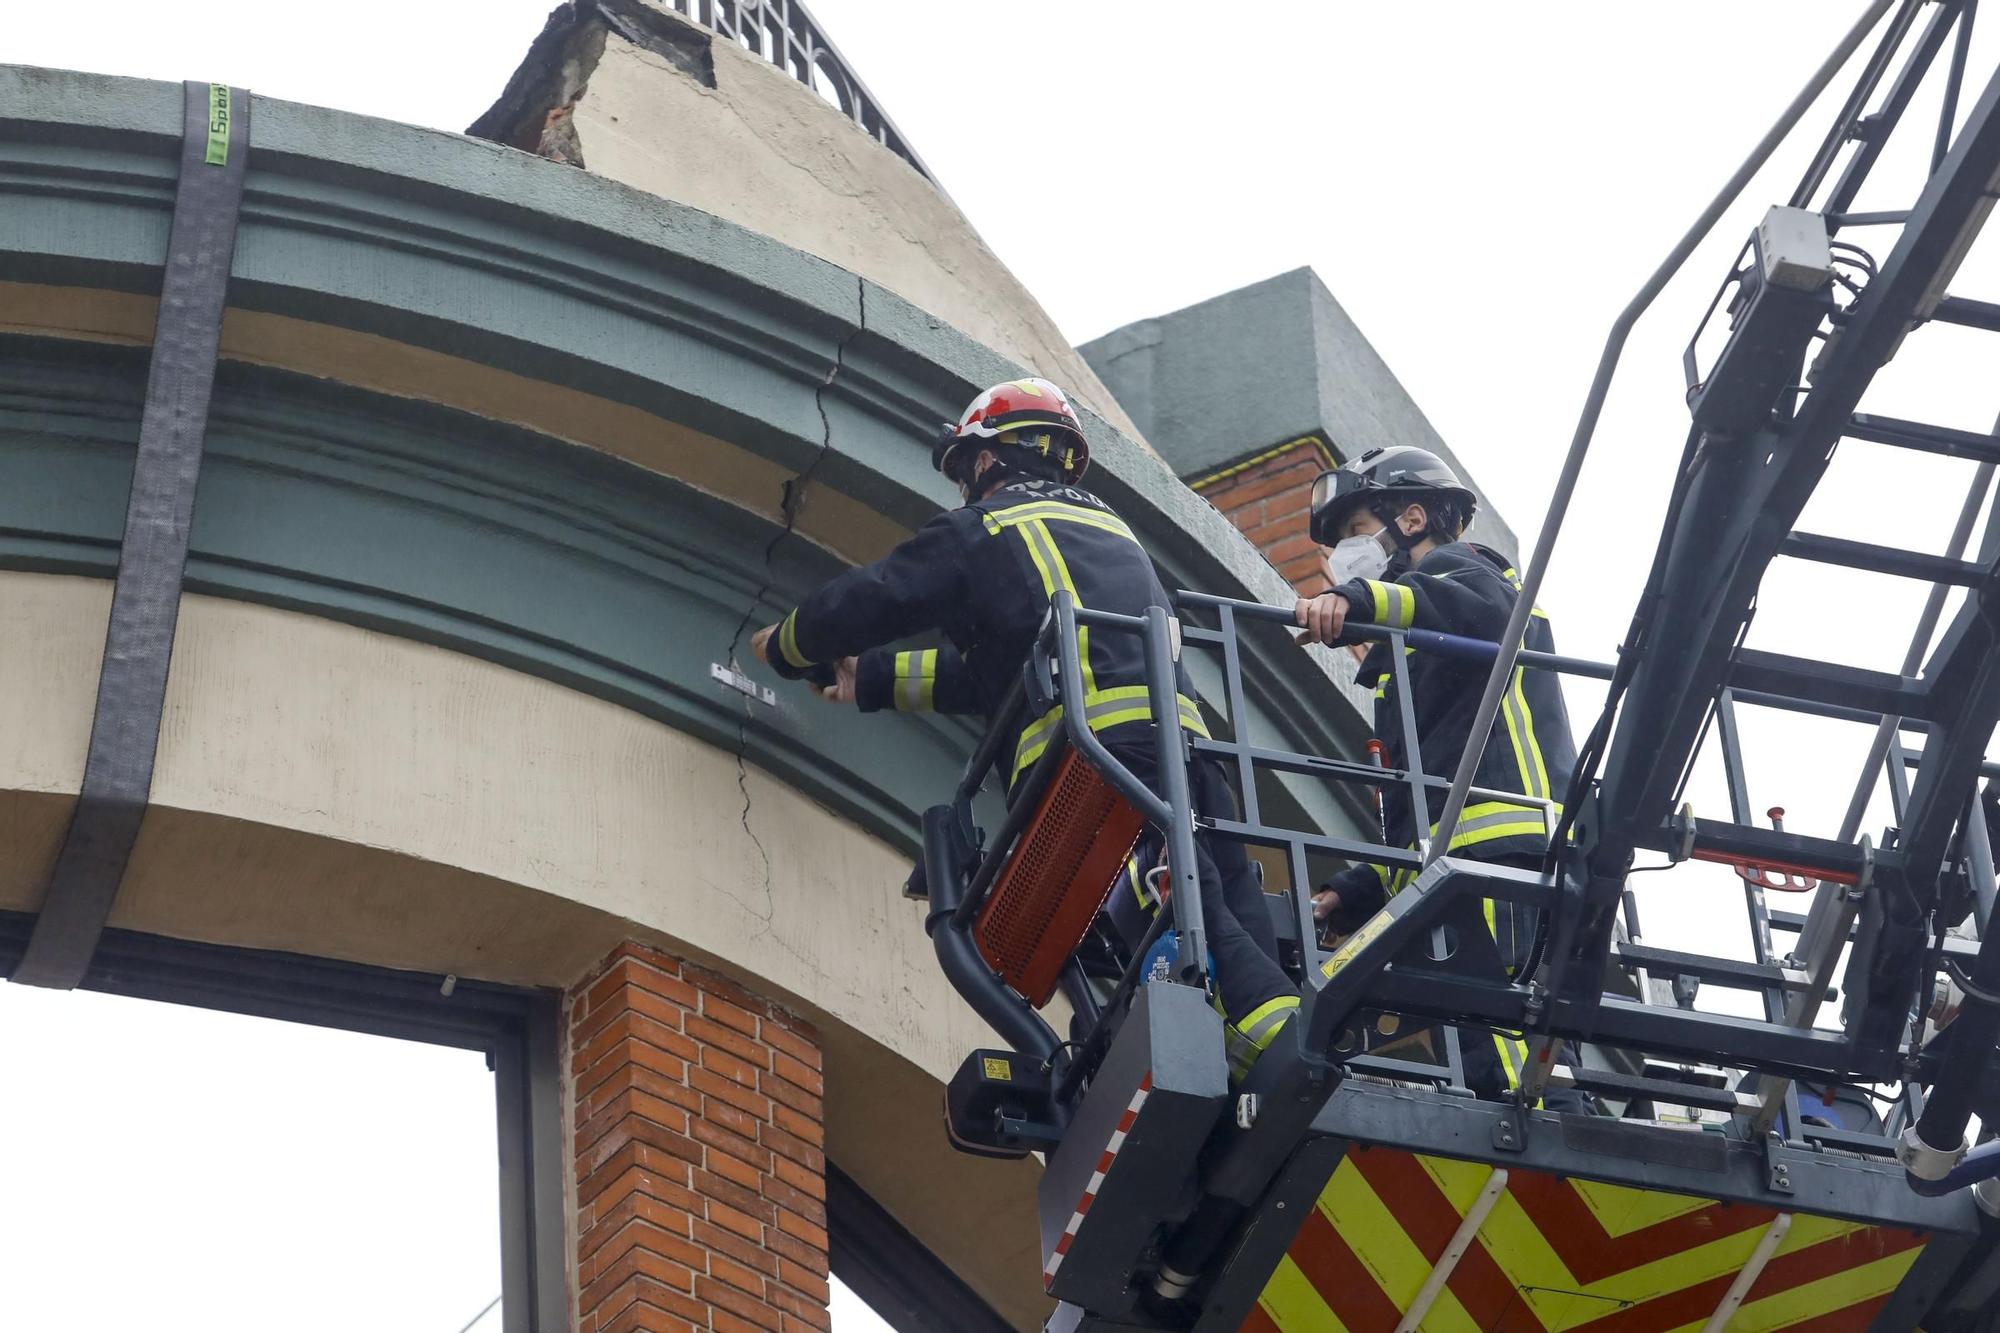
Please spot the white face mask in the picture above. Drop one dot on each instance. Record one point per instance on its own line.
(1363, 557)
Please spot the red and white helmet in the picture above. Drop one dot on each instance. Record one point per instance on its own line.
(1034, 412)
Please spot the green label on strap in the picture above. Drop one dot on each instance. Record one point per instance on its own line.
(218, 124)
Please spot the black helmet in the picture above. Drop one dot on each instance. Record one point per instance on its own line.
(1400, 473)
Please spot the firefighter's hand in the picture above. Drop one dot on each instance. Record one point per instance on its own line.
(1323, 617)
(760, 643)
(842, 689)
(1325, 903)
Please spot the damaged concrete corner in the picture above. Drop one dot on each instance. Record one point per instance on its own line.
(638, 93)
(536, 111)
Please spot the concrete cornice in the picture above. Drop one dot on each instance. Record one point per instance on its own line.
(419, 264)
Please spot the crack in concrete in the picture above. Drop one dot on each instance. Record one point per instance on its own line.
(792, 505)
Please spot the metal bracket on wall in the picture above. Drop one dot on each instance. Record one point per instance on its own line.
(742, 683)
(145, 602)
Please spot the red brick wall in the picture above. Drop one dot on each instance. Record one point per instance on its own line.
(700, 1181)
(1268, 502)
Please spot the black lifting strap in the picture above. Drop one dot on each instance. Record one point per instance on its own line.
(138, 643)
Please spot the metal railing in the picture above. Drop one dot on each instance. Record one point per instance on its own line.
(785, 33)
(1374, 972)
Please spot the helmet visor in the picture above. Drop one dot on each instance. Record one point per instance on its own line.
(1325, 486)
(946, 456)
(1332, 498)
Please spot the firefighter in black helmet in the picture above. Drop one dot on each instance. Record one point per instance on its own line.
(984, 575)
(1392, 522)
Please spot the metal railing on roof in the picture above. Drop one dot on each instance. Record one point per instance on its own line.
(786, 34)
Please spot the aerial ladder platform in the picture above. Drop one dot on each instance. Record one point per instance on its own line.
(1820, 1154)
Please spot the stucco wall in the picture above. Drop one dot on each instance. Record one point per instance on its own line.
(760, 148)
(331, 790)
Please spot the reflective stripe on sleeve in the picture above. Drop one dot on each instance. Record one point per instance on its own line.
(788, 642)
(1395, 605)
(916, 680)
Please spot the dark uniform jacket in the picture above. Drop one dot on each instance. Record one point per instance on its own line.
(984, 575)
(1464, 589)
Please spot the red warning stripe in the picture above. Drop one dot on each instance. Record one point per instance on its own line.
(1784, 1272)
(1431, 1221)
(1104, 1160)
(1592, 1254)
(1259, 1322)
(1575, 1236)
(1341, 1278)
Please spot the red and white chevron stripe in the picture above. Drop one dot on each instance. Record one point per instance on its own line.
(1125, 1123)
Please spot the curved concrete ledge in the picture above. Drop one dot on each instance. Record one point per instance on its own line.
(429, 266)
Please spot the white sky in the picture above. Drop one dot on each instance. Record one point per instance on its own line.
(1482, 185)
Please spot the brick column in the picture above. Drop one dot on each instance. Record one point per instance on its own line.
(1267, 499)
(700, 1181)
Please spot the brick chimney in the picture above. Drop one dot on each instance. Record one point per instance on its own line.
(1267, 498)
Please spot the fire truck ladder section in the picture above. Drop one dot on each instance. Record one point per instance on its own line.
(1818, 1154)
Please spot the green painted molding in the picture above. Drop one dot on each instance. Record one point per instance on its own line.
(456, 245)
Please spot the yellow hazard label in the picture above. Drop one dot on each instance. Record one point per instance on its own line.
(1355, 943)
(998, 1068)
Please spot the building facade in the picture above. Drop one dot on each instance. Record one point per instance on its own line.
(458, 735)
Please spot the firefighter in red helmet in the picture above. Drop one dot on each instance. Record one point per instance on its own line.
(983, 576)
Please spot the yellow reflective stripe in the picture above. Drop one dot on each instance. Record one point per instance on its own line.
(1262, 1023)
(1395, 605)
(1461, 1182)
(1532, 827)
(1707, 1263)
(1520, 724)
(1295, 1304)
(1837, 1291)
(1049, 563)
(1513, 1058)
(1036, 538)
(1138, 883)
(1511, 719)
(1248, 1039)
(916, 681)
(788, 642)
(1102, 710)
(1485, 821)
(1552, 1293)
(1515, 579)
(1621, 1210)
(1367, 1223)
(1056, 510)
(1031, 521)
(1138, 712)
(1538, 780)
(1060, 513)
(1060, 567)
